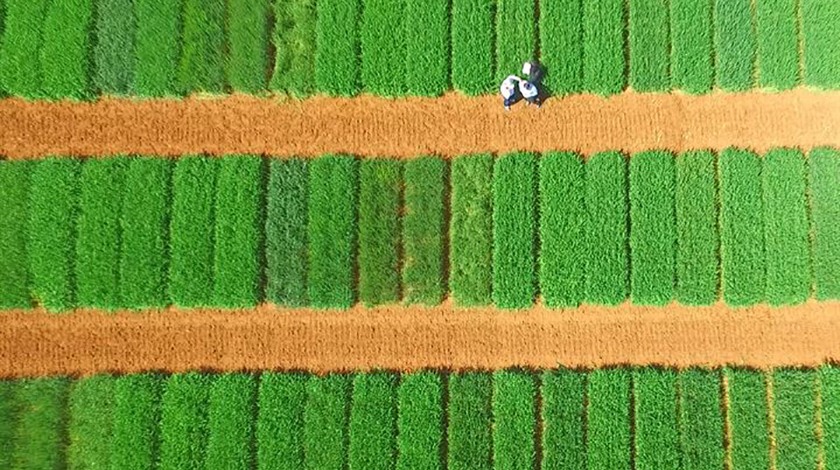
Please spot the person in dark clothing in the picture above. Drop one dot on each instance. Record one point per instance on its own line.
(533, 71)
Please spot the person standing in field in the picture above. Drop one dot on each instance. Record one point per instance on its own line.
(508, 90)
(530, 92)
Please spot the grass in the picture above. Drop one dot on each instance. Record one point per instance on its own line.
(563, 397)
(20, 48)
(515, 230)
(692, 67)
(326, 420)
(184, 426)
(231, 425)
(830, 415)
(824, 165)
(470, 442)
(777, 32)
(40, 429)
(285, 232)
(373, 421)
(607, 268)
(514, 420)
(383, 47)
(333, 183)
(294, 43)
(427, 47)
(608, 418)
(246, 62)
(14, 271)
(337, 47)
(786, 227)
(239, 231)
(201, 65)
(157, 47)
(701, 419)
(735, 44)
(650, 45)
(53, 205)
(794, 394)
(742, 227)
(515, 36)
(653, 234)
(604, 60)
(561, 45)
(420, 422)
(698, 239)
(655, 417)
(91, 406)
(144, 227)
(821, 43)
(471, 230)
(134, 443)
(748, 419)
(379, 231)
(473, 44)
(65, 62)
(562, 216)
(280, 422)
(113, 47)
(423, 229)
(192, 231)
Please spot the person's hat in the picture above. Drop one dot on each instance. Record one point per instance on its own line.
(526, 68)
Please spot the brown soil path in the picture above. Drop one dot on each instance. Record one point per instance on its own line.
(446, 126)
(408, 338)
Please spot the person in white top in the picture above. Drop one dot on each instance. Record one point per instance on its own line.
(530, 92)
(508, 90)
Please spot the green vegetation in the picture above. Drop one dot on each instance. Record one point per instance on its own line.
(515, 36)
(748, 419)
(113, 49)
(424, 229)
(184, 425)
(39, 436)
(701, 419)
(373, 421)
(777, 31)
(561, 45)
(420, 422)
(8, 416)
(830, 415)
(821, 43)
(294, 42)
(515, 230)
(91, 404)
(735, 44)
(379, 231)
(285, 232)
(247, 39)
(604, 60)
(326, 422)
(201, 66)
(20, 48)
(157, 47)
(134, 443)
(650, 45)
(656, 429)
(692, 68)
(14, 264)
(563, 414)
(383, 47)
(64, 55)
(608, 435)
(427, 47)
(825, 211)
(337, 46)
(514, 420)
(231, 422)
(794, 395)
(280, 421)
(472, 46)
(470, 444)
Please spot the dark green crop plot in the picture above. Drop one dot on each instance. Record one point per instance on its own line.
(333, 184)
(8, 416)
(239, 229)
(794, 405)
(14, 264)
(473, 46)
(697, 228)
(91, 406)
(379, 231)
(742, 227)
(98, 241)
(40, 429)
(157, 47)
(562, 229)
(692, 69)
(247, 45)
(201, 66)
(563, 395)
(231, 423)
(786, 227)
(383, 47)
(134, 443)
(471, 230)
(830, 415)
(337, 46)
(53, 205)
(423, 231)
(821, 42)
(604, 63)
(607, 267)
(144, 228)
(561, 45)
(184, 421)
(735, 44)
(653, 238)
(824, 166)
(280, 422)
(20, 48)
(326, 422)
(656, 430)
(65, 61)
(778, 43)
(650, 45)
(515, 36)
(515, 230)
(420, 422)
(285, 232)
(609, 445)
(701, 419)
(470, 410)
(192, 231)
(294, 43)
(514, 420)
(427, 52)
(749, 446)
(373, 421)
(113, 49)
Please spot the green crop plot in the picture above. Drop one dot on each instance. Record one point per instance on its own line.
(201, 65)
(608, 434)
(113, 50)
(285, 232)
(294, 43)
(8, 415)
(561, 45)
(91, 404)
(701, 419)
(20, 48)
(420, 422)
(830, 415)
(427, 47)
(423, 224)
(38, 437)
(735, 44)
(514, 420)
(383, 47)
(326, 419)
(777, 30)
(14, 264)
(563, 417)
(473, 45)
(373, 421)
(825, 210)
(379, 231)
(692, 67)
(134, 444)
(157, 47)
(231, 423)
(280, 421)
(246, 62)
(650, 45)
(515, 36)
(604, 62)
(337, 46)
(64, 55)
(470, 445)
(515, 230)
(656, 429)
(748, 419)
(184, 425)
(821, 43)
(795, 431)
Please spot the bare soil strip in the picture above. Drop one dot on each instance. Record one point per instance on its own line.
(409, 338)
(447, 126)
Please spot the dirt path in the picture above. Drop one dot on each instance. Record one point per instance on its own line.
(446, 126)
(407, 338)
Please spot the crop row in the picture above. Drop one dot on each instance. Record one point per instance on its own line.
(612, 419)
(80, 48)
(328, 232)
